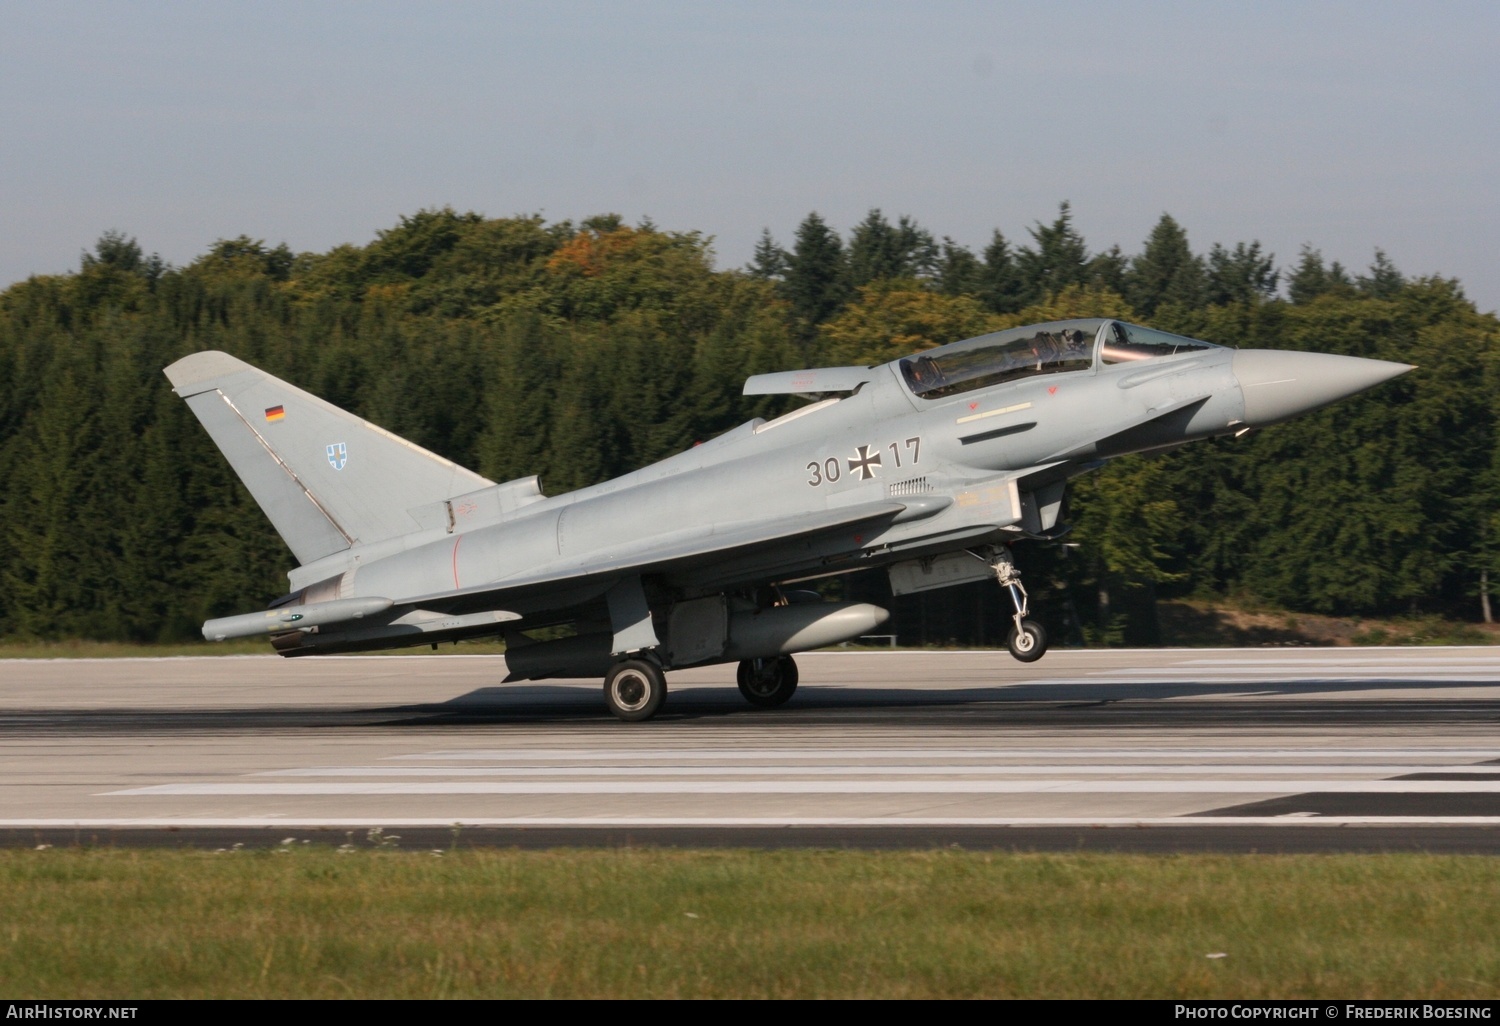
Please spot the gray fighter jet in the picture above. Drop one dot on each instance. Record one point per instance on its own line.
(929, 467)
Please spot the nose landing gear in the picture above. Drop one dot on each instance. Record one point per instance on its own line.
(1028, 640)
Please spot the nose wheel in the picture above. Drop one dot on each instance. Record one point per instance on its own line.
(1028, 640)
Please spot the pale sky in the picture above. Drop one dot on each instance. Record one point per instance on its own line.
(1344, 125)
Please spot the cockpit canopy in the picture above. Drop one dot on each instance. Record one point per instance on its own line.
(1053, 348)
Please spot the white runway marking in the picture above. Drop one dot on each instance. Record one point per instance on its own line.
(834, 787)
(1090, 739)
(638, 771)
(741, 756)
(827, 769)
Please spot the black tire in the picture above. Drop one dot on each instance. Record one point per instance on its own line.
(769, 684)
(635, 689)
(1029, 643)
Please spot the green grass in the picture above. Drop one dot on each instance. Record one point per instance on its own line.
(313, 922)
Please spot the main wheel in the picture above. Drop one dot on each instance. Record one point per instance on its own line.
(635, 689)
(768, 682)
(1029, 643)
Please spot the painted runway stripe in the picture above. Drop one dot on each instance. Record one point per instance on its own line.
(1290, 666)
(1322, 672)
(1424, 657)
(787, 787)
(1296, 675)
(1143, 751)
(915, 769)
(1306, 678)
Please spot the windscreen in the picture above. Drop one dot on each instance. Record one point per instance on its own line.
(1123, 343)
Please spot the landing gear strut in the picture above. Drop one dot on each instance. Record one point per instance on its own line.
(768, 682)
(634, 689)
(1028, 641)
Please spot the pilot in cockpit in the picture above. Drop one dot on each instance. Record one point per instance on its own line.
(1043, 351)
(923, 374)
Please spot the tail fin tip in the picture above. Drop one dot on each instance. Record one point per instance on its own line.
(197, 372)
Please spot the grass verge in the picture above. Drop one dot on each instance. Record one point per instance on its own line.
(308, 921)
(1196, 624)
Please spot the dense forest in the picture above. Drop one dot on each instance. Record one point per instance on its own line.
(578, 351)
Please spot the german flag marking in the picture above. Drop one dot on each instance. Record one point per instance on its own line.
(276, 413)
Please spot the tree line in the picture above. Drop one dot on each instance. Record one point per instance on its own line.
(579, 351)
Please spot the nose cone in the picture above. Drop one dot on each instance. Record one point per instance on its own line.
(1280, 385)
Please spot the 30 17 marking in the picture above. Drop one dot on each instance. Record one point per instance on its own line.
(864, 462)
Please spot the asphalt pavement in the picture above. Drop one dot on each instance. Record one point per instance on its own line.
(1302, 749)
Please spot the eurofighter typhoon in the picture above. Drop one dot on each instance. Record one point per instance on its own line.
(930, 467)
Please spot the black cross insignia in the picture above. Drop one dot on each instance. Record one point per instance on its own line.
(866, 461)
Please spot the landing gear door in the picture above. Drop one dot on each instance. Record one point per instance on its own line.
(917, 575)
(1041, 510)
(995, 501)
(697, 630)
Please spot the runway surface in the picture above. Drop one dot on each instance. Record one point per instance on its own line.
(1251, 749)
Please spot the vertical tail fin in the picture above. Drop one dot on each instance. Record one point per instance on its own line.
(325, 478)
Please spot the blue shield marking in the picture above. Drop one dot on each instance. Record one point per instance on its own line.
(338, 455)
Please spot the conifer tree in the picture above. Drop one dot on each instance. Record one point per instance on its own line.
(1059, 258)
(817, 278)
(1002, 289)
(1109, 270)
(770, 260)
(878, 250)
(1167, 271)
(1384, 281)
(525, 368)
(51, 509)
(959, 271)
(1309, 278)
(114, 249)
(1312, 279)
(1243, 275)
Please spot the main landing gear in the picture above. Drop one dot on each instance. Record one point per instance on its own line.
(768, 683)
(634, 689)
(1027, 641)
